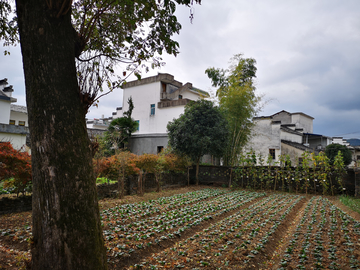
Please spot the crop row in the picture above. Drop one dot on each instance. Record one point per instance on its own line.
(128, 212)
(123, 239)
(235, 240)
(325, 238)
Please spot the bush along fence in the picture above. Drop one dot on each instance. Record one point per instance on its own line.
(314, 175)
(131, 184)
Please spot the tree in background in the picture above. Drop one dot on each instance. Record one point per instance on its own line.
(66, 226)
(201, 129)
(332, 150)
(126, 166)
(238, 102)
(120, 130)
(146, 164)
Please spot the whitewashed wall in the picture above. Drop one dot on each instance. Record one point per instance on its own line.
(4, 111)
(265, 136)
(302, 121)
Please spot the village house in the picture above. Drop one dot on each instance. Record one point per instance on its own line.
(157, 100)
(285, 133)
(13, 119)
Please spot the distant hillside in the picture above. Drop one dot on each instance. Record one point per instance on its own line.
(353, 142)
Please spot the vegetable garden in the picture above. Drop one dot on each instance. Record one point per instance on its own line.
(223, 229)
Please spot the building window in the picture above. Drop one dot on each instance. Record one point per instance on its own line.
(272, 153)
(152, 109)
(180, 96)
(21, 123)
(163, 86)
(138, 125)
(159, 149)
(12, 122)
(358, 157)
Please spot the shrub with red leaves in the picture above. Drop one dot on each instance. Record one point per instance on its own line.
(15, 167)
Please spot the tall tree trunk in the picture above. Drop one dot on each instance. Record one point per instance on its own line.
(67, 231)
(197, 171)
(188, 176)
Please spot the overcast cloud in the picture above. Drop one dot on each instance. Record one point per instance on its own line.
(307, 53)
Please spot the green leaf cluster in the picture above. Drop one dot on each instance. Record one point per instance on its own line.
(202, 129)
(332, 150)
(238, 102)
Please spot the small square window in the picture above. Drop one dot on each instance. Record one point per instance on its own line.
(180, 96)
(12, 122)
(21, 123)
(159, 149)
(152, 109)
(272, 153)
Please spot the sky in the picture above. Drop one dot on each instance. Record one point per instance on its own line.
(307, 54)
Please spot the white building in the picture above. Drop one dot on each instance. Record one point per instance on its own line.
(285, 133)
(13, 118)
(157, 100)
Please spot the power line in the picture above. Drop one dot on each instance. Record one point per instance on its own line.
(356, 132)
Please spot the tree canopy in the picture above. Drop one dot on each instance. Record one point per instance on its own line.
(332, 150)
(201, 129)
(237, 101)
(107, 33)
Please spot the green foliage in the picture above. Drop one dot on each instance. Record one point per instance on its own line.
(108, 33)
(332, 150)
(202, 129)
(131, 33)
(237, 101)
(8, 25)
(119, 132)
(15, 168)
(339, 168)
(104, 180)
(351, 202)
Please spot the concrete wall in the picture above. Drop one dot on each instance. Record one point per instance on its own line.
(264, 136)
(293, 152)
(284, 117)
(19, 116)
(302, 121)
(147, 143)
(290, 136)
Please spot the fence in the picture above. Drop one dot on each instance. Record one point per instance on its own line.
(280, 178)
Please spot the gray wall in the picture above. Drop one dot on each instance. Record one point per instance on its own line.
(147, 143)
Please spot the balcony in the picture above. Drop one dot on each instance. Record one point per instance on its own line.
(173, 103)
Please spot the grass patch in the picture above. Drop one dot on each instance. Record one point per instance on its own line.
(351, 202)
(104, 180)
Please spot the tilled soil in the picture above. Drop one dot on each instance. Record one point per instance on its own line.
(226, 230)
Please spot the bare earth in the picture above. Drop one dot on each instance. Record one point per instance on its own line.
(191, 248)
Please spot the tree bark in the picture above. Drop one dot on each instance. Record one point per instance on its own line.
(197, 171)
(67, 231)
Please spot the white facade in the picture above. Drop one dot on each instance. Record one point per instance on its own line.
(19, 115)
(13, 119)
(4, 111)
(157, 101)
